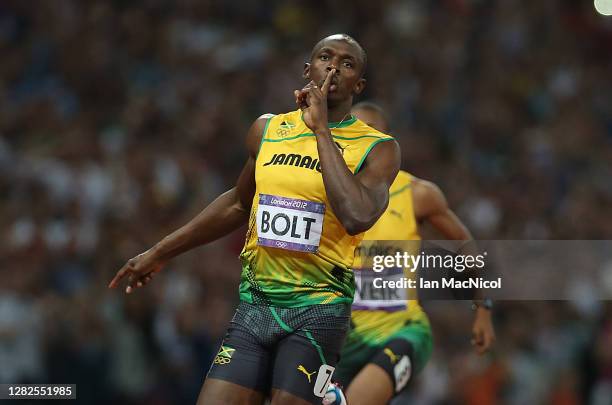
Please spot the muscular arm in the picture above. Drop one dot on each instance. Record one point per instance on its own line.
(430, 205)
(358, 200)
(225, 214)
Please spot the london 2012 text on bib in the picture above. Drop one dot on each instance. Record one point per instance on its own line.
(289, 223)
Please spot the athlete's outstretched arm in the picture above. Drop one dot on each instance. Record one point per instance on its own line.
(430, 205)
(357, 200)
(226, 213)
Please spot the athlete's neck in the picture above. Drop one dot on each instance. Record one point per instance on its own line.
(339, 112)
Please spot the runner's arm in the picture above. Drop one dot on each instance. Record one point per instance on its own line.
(358, 200)
(431, 206)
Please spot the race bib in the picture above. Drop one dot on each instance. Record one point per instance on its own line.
(385, 290)
(289, 223)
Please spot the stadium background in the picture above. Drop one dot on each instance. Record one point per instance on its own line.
(120, 120)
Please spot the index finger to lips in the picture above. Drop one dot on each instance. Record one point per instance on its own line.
(327, 82)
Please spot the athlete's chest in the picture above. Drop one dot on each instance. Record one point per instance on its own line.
(292, 166)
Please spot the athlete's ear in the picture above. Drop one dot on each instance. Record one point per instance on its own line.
(359, 86)
(306, 73)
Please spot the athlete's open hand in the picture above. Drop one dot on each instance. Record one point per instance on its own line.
(483, 334)
(139, 271)
(312, 100)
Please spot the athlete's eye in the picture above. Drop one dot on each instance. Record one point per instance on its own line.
(348, 65)
(324, 57)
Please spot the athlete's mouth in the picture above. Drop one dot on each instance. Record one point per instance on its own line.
(333, 86)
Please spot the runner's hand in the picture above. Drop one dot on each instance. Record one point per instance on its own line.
(483, 334)
(139, 271)
(312, 100)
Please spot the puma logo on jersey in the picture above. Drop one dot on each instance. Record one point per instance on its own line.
(340, 147)
(392, 356)
(303, 370)
(295, 159)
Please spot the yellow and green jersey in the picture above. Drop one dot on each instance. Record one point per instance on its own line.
(376, 317)
(297, 252)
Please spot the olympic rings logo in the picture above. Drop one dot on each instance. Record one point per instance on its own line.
(221, 360)
(281, 244)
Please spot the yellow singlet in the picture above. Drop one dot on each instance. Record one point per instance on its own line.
(297, 252)
(376, 317)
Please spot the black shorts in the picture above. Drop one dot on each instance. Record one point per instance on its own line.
(396, 359)
(403, 353)
(290, 349)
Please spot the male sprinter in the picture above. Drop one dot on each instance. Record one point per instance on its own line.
(308, 190)
(388, 343)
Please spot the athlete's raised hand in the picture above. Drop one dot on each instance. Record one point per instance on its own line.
(139, 271)
(483, 334)
(312, 100)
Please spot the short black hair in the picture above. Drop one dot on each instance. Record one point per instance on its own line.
(372, 106)
(350, 40)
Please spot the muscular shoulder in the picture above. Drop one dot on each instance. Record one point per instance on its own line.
(424, 188)
(256, 132)
(380, 168)
(383, 156)
(428, 198)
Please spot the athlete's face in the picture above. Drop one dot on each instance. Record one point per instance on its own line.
(346, 59)
(372, 118)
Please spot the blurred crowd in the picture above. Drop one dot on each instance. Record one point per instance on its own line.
(119, 121)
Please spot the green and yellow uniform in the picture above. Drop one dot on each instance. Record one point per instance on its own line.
(377, 319)
(297, 253)
(297, 282)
